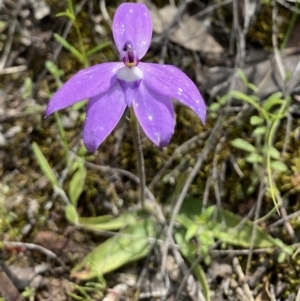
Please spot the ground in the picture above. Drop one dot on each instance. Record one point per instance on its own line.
(222, 201)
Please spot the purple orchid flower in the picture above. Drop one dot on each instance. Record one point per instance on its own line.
(111, 87)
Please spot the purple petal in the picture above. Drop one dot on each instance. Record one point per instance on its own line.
(129, 89)
(86, 83)
(155, 114)
(103, 114)
(132, 22)
(170, 81)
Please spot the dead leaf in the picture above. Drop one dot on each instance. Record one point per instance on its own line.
(263, 74)
(188, 32)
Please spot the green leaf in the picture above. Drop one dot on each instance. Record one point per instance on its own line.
(192, 231)
(53, 69)
(276, 95)
(71, 214)
(71, 8)
(129, 246)
(259, 131)
(267, 105)
(214, 107)
(277, 116)
(242, 76)
(77, 106)
(243, 144)
(97, 48)
(281, 257)
(183, 219)
(255, 120)
(66, 14)
(274, 100)
(223, 99)
(252, 99)
(3, 25)
(62, 134)
(252, 87)
(77, 183)
(44, 165)
(279, 166)
(190, 211)
(188, 250)
(69, 47)
(27, 88)
(108, 222)
(254, 158)
(213, 115)
(206, 240)
(222, 224)
(274, 153)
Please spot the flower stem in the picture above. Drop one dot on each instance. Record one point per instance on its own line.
(140, 158)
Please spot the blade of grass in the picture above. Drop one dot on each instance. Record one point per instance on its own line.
(69, 47)
(42, 161)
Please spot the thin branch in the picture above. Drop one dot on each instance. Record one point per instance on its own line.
(178, 153)
(33, 247)
(211, 8)
(256, 216)
(197, 166)
(238, 269)
(11, 31)
(104, 12)
(278, 57)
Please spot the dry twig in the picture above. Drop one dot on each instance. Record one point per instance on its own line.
(238, 269)
(11, 32)
(33, 247)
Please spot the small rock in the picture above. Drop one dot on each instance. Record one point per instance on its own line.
(7, 288)
(13, 131)
(2, 140)
(41, 9)
(116, 293)
(22, 277)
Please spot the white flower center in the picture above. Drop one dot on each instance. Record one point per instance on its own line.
(130, 74)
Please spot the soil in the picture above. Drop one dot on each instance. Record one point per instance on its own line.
(41, 243)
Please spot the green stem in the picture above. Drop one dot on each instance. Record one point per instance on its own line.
(78, 32)
(140, 158)
(62, 134)
(83, 53)
(292, 24)
(272, 132)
